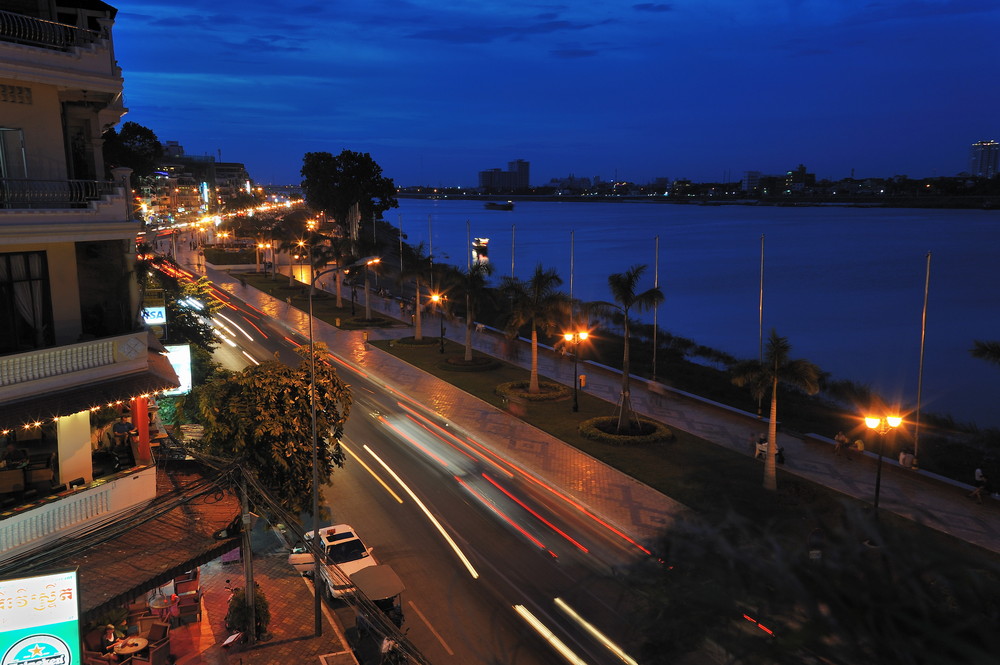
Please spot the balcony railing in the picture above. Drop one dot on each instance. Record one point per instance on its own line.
(21, 193)
(22, 29)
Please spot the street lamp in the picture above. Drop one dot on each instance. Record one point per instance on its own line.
(575, 338)
(317, 579)
(881, 426)
(438, 301)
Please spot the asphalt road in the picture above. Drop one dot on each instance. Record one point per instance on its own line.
(498, 567)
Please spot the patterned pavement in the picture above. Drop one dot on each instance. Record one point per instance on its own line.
(632, 506)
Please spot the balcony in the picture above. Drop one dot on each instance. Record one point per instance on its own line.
(53, 194)
(31, 31)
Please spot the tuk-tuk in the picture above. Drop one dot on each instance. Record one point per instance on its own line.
(381, 585)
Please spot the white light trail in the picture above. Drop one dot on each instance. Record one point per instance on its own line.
(549, 636)
(235, 325)
(437, 525)
(598, 635)
(251, 358)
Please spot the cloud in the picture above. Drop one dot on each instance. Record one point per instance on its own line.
(653, 7)
(480, 34)
(570, 53)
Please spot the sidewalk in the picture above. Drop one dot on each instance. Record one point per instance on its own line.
(633, 506)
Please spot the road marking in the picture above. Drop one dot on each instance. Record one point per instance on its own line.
(374, 475)
(431, 628)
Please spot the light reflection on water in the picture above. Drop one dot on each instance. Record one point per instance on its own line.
(845, 285)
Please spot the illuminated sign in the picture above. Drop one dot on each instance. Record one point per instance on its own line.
(155, 315)
(40, 620)
(180, 359)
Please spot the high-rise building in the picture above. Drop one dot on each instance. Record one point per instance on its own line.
(984, 159)
(72, 341)
(514, 179)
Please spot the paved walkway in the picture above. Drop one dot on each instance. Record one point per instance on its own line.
(635, 507)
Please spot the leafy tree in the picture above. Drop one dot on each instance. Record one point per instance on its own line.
(239, 201)
(133, 146)
(470, 283)
(336, 184)
(988, 351)
(868, 598)
(262, 416)
(188, 307)
(623, 289)
(416, 267)
(776, 369)
(537, 303)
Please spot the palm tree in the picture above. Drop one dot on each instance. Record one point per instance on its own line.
(988, 351)
(623, 290)
(760, 376)
(333, 249)
(417, 268)
(471, 283)
(538, 303)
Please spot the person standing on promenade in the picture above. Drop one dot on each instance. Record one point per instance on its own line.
(982, 485)
(841, 443)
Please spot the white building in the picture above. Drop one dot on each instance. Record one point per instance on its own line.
(72, 342)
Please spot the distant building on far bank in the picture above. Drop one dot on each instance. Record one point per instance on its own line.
(751, 181)
(514, 179)
(984, 159)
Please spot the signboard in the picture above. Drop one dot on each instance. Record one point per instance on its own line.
(179, 356)
(154, 315)
(40, 620)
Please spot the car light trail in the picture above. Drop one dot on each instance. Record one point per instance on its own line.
(442, 433)
(489, 504)
(549, 636)
(223, 337)
(535, 514)
(263, 334)
(235, 325)
(371, 471)
(413, 442)
(598, 635)
(437, 525)
(251, 358)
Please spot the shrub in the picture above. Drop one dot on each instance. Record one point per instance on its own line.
(478, 364)
(550, 392)
(602, 429)
(238, 617)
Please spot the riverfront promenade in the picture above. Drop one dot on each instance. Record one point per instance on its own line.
(938, 502)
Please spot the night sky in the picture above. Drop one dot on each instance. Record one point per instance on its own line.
(437, 90)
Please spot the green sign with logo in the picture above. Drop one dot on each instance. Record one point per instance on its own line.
(40, 620)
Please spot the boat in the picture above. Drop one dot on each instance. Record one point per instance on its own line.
(495, 205)
(480, 250)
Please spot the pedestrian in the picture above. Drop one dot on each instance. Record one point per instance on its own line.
(841, 443)
(859, 447)
(982, 485)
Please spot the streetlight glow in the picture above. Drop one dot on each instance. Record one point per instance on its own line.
(881, 426)
(575, 338)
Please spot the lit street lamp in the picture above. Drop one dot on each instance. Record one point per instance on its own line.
(315, 440)
(438, 301)
(881, 426)
(575, 338)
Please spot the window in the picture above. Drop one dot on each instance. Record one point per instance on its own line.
(25, 302)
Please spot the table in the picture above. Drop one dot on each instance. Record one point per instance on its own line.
(131, 645)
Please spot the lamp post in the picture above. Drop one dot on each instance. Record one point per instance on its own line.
(881, 425)
(575, 338)
(317, 579)
(438, 301)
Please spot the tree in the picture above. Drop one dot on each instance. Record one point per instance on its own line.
(776, 369)
(472, 283)
(988, 351)
(871, 597)
(262, 416)
(416, 267)
(335, 185)
(135, 147)
(623, 289)
(537, 303)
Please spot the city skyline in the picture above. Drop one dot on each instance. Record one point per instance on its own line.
(703, 91)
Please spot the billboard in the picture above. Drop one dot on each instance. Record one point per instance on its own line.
(179, 356)
(40, 619)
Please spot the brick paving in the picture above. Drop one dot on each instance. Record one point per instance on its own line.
(634, 507)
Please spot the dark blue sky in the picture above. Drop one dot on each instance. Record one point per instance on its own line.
(437, 90)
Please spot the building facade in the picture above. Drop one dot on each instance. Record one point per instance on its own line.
(515, 179)
(984, 159)
(72, 344)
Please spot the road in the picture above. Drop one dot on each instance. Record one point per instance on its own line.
(498, 566)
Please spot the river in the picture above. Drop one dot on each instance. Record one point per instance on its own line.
(844, 285)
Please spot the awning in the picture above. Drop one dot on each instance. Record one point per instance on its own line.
(143, 550)
(158, 376)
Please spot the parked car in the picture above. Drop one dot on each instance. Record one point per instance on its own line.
(343, 549)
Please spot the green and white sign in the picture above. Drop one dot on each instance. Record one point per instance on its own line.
(40, 620)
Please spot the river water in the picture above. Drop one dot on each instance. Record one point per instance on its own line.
(844, 285)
